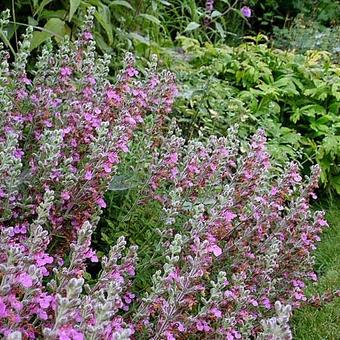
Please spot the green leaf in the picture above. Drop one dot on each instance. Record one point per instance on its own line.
(220, 30)
(41, 7)
(191, 26)
(335, 183)
(295, 116)
(121, 3)
(216, 14)
(54, 27)
(74, 4)
(150, 18)
(139, 38)
(103, 15)
(46, 14)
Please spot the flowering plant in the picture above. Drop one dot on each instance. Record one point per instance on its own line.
(234, 231)
(63, 128)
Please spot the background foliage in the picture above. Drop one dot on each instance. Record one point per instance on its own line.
(294, 97)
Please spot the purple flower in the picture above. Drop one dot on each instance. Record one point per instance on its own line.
(65, 71)
(246, 11)
(25, 280)
(65, 195)
(3, 312)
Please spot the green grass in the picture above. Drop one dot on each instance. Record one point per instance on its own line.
(324, 322)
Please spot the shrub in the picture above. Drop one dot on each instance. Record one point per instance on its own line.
(63, 129)
(238, 233)
(237, 237)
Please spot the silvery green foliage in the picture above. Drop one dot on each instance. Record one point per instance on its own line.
(277, 328)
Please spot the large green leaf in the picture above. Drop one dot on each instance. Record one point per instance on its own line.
(150, 18)
(121, 3)
(103, 15)
(54, 27)
(74, 4)
(139, 38)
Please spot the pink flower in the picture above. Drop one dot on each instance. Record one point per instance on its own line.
(246, 11)
(216, 312)
(216, 250)
(91, 255)
(299, 296)
(107, 167)
(298, 283)
(233, 334)
(312, 276)
(42, 259)
(101, 203)
(202, 326)
(3, 311)
(169, 336)
(88, 175)
(129, 120)
(45, 300)
(128, 297)
(131, 71)
(15, 303)
(88, 35)
(113, 158)
(172, 158)
(70, 334)
(65, 71)
(65, 195)
(228, 216)
(180, 327)
(112, 94)
(25, 280)
(296, 177)
(254, 302)
(266, 303)
(322, 222)
(174, 275)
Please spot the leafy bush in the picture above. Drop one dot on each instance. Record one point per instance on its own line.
(121, 25)
(303, 36)
(269, 14)
(117, 23)
(295, 98)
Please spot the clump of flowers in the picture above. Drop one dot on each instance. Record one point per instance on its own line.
(63, 130)
(237, 240)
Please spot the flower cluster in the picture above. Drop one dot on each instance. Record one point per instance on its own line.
(63, 129)
(238, 240)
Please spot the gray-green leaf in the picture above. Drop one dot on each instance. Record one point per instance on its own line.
(191, 26)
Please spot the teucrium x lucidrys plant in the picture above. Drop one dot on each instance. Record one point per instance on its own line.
(237, 249)
(63, 128)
